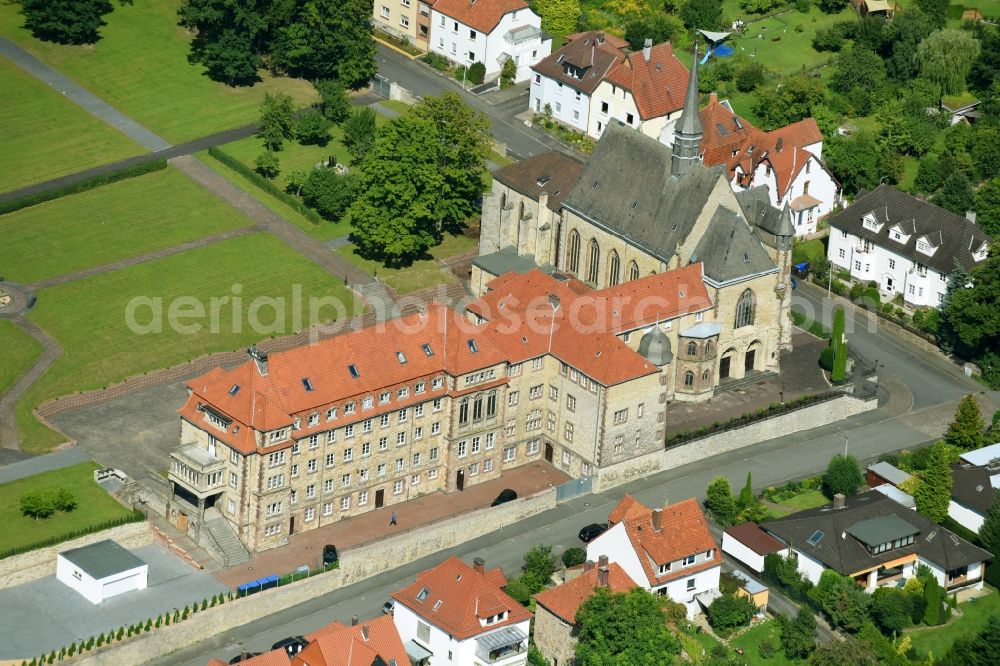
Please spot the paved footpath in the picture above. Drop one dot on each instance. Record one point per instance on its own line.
(39, 464)
(82, 97)
(50, 352)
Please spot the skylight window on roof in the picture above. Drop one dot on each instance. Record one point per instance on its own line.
(422, 594)
(816, 537)
(594, 186)
(401, 357)
(737, 122)
(634, 204)
(472, 345)
(427, 349)
(307, 384)
(353, 369)
(437, 604)
(234, 389)
(722, 129)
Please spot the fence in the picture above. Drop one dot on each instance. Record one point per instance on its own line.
(574, 488)
(381, 86)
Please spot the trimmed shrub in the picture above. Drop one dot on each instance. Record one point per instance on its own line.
(574, 556)
(477, 72)
(826, 359)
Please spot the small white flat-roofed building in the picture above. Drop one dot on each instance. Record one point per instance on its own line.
(101, 570)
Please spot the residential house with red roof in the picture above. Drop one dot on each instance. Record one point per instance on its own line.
(787, 160)
(667, 551)
(457, 614)
(488, 31)
(555, 608)
(594, 80)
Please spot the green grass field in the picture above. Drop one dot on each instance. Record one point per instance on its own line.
(46, 136)
(751, 640)
(140, 67)
(17, 353)
(94, 505)
(937, 640)
(109, 223)
(811, 250)
(793, 50)
(89, 317)
(807, 500)
(420, 274)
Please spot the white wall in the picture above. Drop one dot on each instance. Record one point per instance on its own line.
(822, 186)
(808, 567)
(704, 581)
(443, 645)
(965, 516)
(96, 591)
(453, 39)
(734, 548)
(569, 106)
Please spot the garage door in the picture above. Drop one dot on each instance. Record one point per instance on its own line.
(119, 586)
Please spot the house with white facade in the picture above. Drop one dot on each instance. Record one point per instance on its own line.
(667, 551)
(489, 31)
(457, 614)
(877, 542)
(906, 245)
(593, 80)
(787, 160)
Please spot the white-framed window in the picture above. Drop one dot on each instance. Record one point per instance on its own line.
(363, 475)
(510, 454)
(892, 263)
(271, 530)
(234, 457)
(380, 470)
(490, 440)
(363, 498)
(276, 458)
(327, 508)
(621, 416)
(690, 584)
(366, 425)
(349, 431)
(313, 419)
(476, 442)
(402, 415)
(512, 398)
(436, 428)
(432, 474)
(488, 465)
(331, 436)
(331, 414)
(276, 481)
(399, 464)
(274, 508)
(418, 434)
(418, 410)
(568, 431)
(328, 486)
(330, 459)
(841, 253)
(311, 466)
(310, 514)
(400, 438)
(437, 383)
(295, 449)
(383, 421)
(345, 479)
(311, 491)
(348, 455)
(349, 408)
(533, 447)
(384, 397)
(345, 503)
(233, 479)
(420, 387)
(295, 471)
(397, 487)
(535, 392)
(230, 506)
(383, 443)
(366, 404)
(366, 449)
(416, 459)
(462, 448)
(565, 458)
(474, 469)
(433, 453)
(385, 12)
(404, 21)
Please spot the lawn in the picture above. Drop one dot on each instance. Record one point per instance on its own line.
(751, 640)
(117, 221)
(698, 646)
(793, 50)
(811, 251)
(94, 505)
(140, 67)
(937, 640)
(420, 274)
(805, 500)
(46, 136)
(89, 317)
(910, 166)
(17, 353)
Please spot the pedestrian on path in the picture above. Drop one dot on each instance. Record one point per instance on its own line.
(392, 519)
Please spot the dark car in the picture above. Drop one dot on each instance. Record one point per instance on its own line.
(592, 531)
(330, 555)
(292, 645)
(506, 495)
(243, 657)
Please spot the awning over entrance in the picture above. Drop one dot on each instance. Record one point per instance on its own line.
(417, 652)
(504, 637)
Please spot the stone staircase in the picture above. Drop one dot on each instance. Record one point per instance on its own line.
(220, 539)
(376, 295)
(750, 379)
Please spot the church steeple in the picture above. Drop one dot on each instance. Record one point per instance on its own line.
(687, 136)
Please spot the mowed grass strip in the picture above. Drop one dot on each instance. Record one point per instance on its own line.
(140, 67)
(113, 222)
(44, 135)
(975, 614)
(420, 274)
(88, 317)
(94, 505)
(18, 352)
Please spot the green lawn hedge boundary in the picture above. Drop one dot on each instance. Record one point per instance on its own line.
(132, 517)
(265, 184)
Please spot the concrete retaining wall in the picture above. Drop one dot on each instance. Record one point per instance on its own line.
(356, 564)
(803, 419)
(36, 564)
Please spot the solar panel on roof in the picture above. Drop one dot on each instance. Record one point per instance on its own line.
(816, 537)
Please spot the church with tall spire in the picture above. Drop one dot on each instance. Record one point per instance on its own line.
(638, 206)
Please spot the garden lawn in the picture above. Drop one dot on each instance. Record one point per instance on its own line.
(88, 317)
(124, 219)
(806, 500)
(937, 640)
(18, 352)
(420, 274)
(45, 135)
(94, 505)
(810, 250)
(794, 49)
(751, 640)
(140, 67)
(698, 645)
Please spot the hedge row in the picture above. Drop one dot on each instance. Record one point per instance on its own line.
(266, 185)
(82, 185)
(132, 517)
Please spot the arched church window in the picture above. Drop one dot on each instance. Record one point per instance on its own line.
(633, 270)
(745, 308)
(573, 256)
(613, 268)
(595, 261)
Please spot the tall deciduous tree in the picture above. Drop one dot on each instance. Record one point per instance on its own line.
(956, 193)
(359, 132)
(558, 16)
(719, 500)
(798, 635)
(333, 100)
(988, 207)
(65, 21)
(842, 476)
(657, 26)
(275, 122)
(967, 430)
(229, 37)
(935, 10)
(792, 101)
(973, 314)
(934, 490)
(945, 58)
(859, 161)
(702, 14)
(624, 628)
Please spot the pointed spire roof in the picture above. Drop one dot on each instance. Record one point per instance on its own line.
(690, 120)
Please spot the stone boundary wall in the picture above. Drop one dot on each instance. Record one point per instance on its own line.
(812, 416)
(356, 564)
(35, 564)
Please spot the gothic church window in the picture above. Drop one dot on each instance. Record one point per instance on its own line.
(595, 261)
(573, 257)
(745, 308)
(613, 269)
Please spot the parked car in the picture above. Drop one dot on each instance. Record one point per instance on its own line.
(388, 607)
(243, 657)
(506, 495)
(592, 531)
(330, 555)
(292, 645)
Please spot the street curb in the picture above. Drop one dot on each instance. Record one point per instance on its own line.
(394, 48)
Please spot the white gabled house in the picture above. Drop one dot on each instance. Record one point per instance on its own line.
(906, 245)
(490, 32)
(667, 551)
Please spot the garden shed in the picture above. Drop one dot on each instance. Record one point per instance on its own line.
(101, 570)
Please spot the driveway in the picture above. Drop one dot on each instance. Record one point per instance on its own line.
(67, 617)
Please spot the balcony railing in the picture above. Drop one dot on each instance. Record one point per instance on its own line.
(196, 469)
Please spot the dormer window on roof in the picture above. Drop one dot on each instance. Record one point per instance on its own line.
(869, 222)
(422, 594)
(437, 604)
(925, 247)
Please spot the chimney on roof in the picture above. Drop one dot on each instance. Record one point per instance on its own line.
(713, 98)
(647, 46)
(970, 215)
(364, 632)
(588, 566)
(354, 621)
(602, 561)
(838, 501)
(479, 565)
(657, 520)
(778, 144)
(602, 576)
(259, 358)
(600, 36)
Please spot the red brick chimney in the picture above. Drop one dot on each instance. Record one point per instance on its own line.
(479, 566)
(657, 520)
(602, 576)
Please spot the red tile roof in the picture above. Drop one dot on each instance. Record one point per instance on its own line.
(658, 85)
(784, 148)
(273, 658)
(483, 15)
(582, 331)
(754, 538)
(358, 645)
(628, 507)
(458, 597)
(564, 600)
